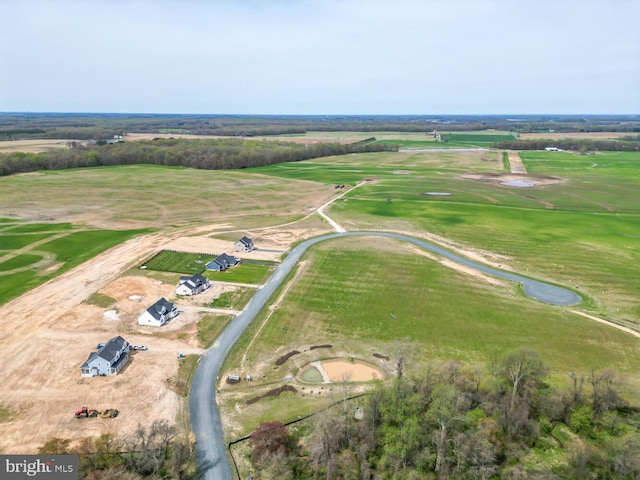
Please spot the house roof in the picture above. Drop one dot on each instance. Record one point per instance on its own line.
(159, 308)
(246, 240)
(228, 259)
(111, 348)
(194, 280)
(108, 351)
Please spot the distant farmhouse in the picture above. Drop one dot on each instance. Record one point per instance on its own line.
(158, 314)
(223, 262)
(193, 285)
(109, 359)
(553, 149)
(245, 244)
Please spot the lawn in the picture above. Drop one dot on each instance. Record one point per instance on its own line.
(19, 261)
(236, 299)
(178, 262)
(243, 273)
(39, 263)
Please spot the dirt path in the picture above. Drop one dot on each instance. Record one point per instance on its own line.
(516, 163)
(607, 322)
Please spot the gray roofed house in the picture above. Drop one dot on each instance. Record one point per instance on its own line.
(245, 244)
(108, 359)
(159, 313)
(222, 262)
(193, 285)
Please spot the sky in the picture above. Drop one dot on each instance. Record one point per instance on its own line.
(321, 56)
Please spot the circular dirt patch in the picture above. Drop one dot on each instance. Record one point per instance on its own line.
(339, 370)
(508, 179)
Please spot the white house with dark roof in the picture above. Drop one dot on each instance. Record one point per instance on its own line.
(222, 262)
(109, 359)
(245, 244)
(193, 285)
(158, 314)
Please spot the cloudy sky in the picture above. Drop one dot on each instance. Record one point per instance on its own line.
(321, 56)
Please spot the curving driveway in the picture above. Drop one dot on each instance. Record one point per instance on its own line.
(205, 416)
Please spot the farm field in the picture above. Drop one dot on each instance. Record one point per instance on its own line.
(552, 232)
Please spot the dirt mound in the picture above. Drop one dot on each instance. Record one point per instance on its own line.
(320, 346)
(382, 357)
(286, 357)
(273, 393)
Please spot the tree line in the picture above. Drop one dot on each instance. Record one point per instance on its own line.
(207, 154)
(103, 126)
(456, 421)
(575, 144)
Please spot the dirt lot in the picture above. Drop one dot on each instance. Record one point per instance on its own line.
(48, 333)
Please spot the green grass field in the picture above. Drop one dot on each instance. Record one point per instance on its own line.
(236, 299)
(581, 233)
(178, 262)
(243, 273)
(42, 260)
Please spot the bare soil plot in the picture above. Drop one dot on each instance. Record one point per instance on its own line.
(32, 146)
(515, 163)
(501, 178)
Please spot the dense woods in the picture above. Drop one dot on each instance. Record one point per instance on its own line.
(455, 421)
(229, 153)
(628, 144)
(14, 126)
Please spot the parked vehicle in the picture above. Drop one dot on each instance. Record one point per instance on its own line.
(139, 347)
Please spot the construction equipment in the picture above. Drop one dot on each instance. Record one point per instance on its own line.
(86, 412)
(110, 413)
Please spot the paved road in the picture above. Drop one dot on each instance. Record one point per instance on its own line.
(205, 417)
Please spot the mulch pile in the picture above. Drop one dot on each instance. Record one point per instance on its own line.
(326, 345)
(286, 357)
(273, 393)
(383, 357)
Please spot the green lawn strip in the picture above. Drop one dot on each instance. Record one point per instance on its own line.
(179, 262)
(243, 273)
(236, 299)
(15, 242)
(78, 247)
(210, 326)
(449, 314)
(186, 368)
(19, 261)
(70, 250)
(99, 300)
(14, 285)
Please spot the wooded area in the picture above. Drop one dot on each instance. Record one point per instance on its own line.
(218, 154)
(456, 421)
(627, 144)
(85, 126)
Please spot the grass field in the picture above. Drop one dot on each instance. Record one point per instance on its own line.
(148, 196)
(243, 273)
(178, 262)
(42, 260)
(582, 232)
(235, 300)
